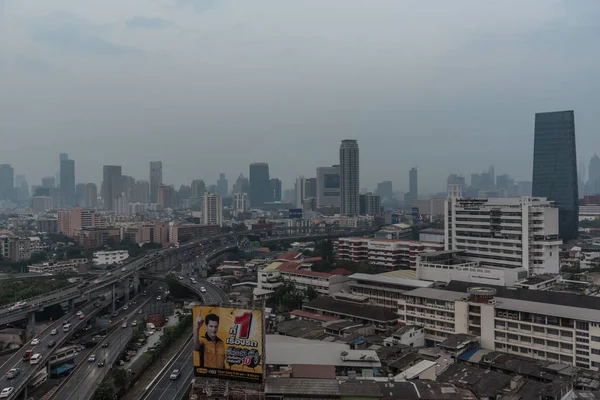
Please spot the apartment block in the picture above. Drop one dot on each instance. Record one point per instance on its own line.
(109, 257)
(91, 238)
(15, 248)
(75, 219)
(558, 327)
(392, 254)
(383, 291)
(505, 233)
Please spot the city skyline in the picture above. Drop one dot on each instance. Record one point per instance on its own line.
(82, 73)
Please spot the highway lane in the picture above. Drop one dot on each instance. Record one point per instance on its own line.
(27, 369)
(167, 388)
(85, 379)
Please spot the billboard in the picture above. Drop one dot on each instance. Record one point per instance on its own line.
(295, 213)
(228, 343)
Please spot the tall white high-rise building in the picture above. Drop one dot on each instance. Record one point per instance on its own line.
(212, 209)
(349, 178)
(240, 203)
(300, 187)
(505, 233)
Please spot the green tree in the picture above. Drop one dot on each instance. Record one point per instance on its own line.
(311, 293)
(121, 378)
(105, 391)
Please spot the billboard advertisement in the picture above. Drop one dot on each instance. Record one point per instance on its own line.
(295, 213)
(228, 343)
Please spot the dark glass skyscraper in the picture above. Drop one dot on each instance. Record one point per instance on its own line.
(67, 182)
(555, 167)
(260, 187)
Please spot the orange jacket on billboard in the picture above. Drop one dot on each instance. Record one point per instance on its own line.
(228, 343)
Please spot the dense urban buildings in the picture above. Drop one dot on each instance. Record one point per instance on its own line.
(198, 188)
(156, 179)
(300, 188)
(275, 188)
(349, 178)
(555, 167)
(165, 196)
(260, 186)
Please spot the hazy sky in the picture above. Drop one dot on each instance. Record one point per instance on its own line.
(209, 86)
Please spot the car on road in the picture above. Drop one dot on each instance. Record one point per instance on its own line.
(96, 304)
(123, 269)
(13, 373)
(202, 289)
(51, 343)
(124, 325)
(35, 341)
(140, 311)
(180, 278)
(105, 344)
(175, 374)
(6, 392)
(27, 355)
(92, 358)
(158, 298)
(115, 314)
(125, 308)
(101, 363)
(79, 313)
(54, 332)
(81, 316)
(134, 323)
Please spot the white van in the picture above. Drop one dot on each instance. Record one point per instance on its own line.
(66, 327)
(35, 359)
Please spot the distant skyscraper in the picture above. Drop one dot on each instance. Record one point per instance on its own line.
(275, 188)
(240, 203)
(141, 192)
(349, 178)
(90, 195)
(260, 187)
(300, 187)
(165, 196)
(111, 185)
(222, 186)
(328, 186)
(198, 188)
(63, 157)
(49, 182)
(310, 188)
(384, 190)
(593, 183)
(413, 184)
(241, 185)
(7, 182)
(212, 209)
(80, 194)
(67, 182)
(156, 179)
(555, 167)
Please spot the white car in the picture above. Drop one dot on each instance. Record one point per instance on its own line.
(202, 289)
(175, 374)
(124, 325)
(123, 269)
(92, 358)
(134, 323)
(79, 313)
(35, 341)
(125, 308)
(6, 392)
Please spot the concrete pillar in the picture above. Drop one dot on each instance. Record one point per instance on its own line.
(126, 287)
(136, 282)
(114, 297)
(31, 323)
(71, 304)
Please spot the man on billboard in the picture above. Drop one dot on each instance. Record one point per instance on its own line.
(210, 346)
